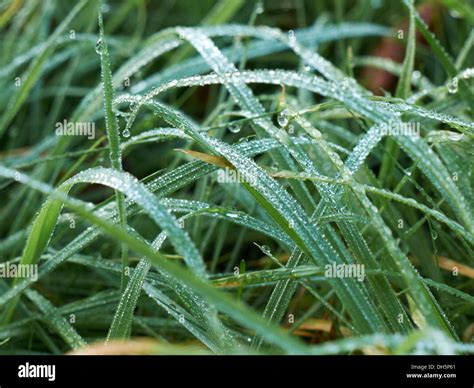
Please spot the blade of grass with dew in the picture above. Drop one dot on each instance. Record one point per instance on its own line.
(403, 91)
(113, 135)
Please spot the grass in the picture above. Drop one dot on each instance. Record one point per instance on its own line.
(238, 153)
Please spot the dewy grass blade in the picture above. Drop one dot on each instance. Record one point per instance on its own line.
(113, 135)
(403, 91)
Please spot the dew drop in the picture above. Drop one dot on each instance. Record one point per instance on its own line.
(259, 9)
(291, 36)
(126, 133)
(282, 118)
(235, 127)
(453, 86)
(266, 249)
(434, 234)
(98, 46)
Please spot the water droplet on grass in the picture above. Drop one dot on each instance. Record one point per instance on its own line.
(98, 46)
(291, 36)
(266, 249)
(235, 127)
(126, 133)
(283, 118)
(453, 86)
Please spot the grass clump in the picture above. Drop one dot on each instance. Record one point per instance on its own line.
(266, 181)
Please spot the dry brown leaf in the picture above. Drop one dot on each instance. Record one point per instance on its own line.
(211, 159)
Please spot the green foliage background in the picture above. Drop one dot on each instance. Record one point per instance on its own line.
(133, 233)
